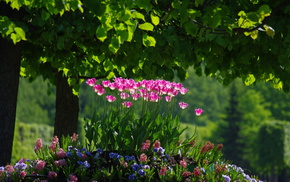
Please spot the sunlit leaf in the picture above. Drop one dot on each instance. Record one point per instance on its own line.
(269, 31)
(101, 33)
(154, 19)
(146, 26)
(148, 41)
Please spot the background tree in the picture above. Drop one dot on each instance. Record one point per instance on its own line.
(149, 39)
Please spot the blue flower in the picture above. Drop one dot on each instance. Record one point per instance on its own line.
(86, 164)
(135, 167)
(141, 172)
(97, 155)
(227, 178)
(100, 151)
(20, 166)
(2, 168)
(79, 154)
(69, 148)
(130, 158)
(80, 162)
(131, 177)
(113, 155)
(68, 154)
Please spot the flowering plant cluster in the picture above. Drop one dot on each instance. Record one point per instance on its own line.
(122, 127)
(73, 163)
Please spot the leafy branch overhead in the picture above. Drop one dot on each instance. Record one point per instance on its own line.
(148, 39)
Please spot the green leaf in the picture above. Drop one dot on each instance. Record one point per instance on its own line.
(101, 33)
(154, 19)
(250, 79)
(15, 4)
(264, 10)
(115, 44)
(60, 43)
(138, 15)
(148, 41)
(191, 28)
(146, 26)
(45, 15)
(269, 31)
(253, 17)
(20, 32)
(131, 29)
(215, 21)
(14, 38)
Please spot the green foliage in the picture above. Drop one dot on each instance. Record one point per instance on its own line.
(123, 130)
(25, 138)
(150, 39)
(273, 147)
(35, 104)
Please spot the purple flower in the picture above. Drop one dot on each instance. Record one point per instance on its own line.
(113, 155)
(86, 164)
(129, 158)
(20, 165)
(68, 154)
(141, 172)
(135, 167)
(131, 177)
(227, 178)
(99, 150)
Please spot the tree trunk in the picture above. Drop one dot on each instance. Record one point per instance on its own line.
(10, 59)
(67, 108)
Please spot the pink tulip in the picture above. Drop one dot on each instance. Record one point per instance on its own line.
(198, 112)
(40, 165)
(183, 105)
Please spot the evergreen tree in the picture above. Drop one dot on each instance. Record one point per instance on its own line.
(230, 127)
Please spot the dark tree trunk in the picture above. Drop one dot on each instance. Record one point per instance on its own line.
(67, 108)
(10, 59)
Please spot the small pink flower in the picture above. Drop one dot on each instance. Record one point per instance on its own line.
(52, 174)
(55, 139)
(154, 97)
(110, 98)
(53, 145)
(183, 90)
(91, 82)
(157, 144)
(146, 145)
(74, 137)
(143, 157)
(196, 172)
(73, 178)
(61, 153)
(22, 174)
(163, 171)
(168, 98)
(9, 168)
(198, 112)
(183, 163)
(61, 162)
(124, 95)
(38, 144)
(22, 160)
(135, 96)
(106, 83)
(127, 104)
(183, 105)
(40, 165)
(186, 173)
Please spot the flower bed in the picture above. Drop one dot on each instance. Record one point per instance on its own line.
(123, 147)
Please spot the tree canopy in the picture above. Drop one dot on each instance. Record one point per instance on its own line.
(143, 38)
